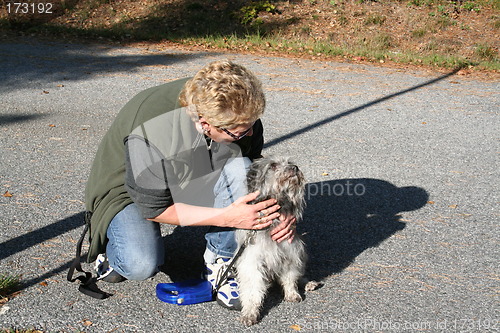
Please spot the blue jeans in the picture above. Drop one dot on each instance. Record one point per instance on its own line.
(135, 247)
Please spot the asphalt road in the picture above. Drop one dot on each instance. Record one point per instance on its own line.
(402, 165)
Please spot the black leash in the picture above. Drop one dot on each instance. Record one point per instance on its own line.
(88, 284)
(233, 261)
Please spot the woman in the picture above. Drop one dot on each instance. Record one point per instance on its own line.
(177, 154)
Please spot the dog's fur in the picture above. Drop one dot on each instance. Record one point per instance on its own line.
(264, 260)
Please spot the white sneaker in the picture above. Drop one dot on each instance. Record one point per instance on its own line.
(228, 292)
(105, 272)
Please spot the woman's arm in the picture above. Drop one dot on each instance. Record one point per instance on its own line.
(239, 214)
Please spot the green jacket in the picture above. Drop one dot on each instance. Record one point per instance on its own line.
(108, 189)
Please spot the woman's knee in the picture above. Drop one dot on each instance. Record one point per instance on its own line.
(235, 172)
(138, 269)
(237, 169)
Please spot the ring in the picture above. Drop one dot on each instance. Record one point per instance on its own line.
(261, 214)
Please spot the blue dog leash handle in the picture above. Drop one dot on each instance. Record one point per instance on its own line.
(185, 292)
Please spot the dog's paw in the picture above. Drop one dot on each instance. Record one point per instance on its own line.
(312, 285)
(249, 320)
(293, 297)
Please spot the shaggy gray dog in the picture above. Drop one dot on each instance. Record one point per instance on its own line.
(264, 260)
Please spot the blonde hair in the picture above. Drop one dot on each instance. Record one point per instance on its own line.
(225, 94)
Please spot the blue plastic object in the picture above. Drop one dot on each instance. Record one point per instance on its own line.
(185, 292)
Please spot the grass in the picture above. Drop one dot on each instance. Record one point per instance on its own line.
(418, 33)
(15, 330)
(486, 52)
(257, 26)
(375, 19)
(9, 284)
(373, 48)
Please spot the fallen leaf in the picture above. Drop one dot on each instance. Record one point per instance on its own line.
(87, 323)
(430, 202)
(423, 123)
(52, 125)
(43, 284)
(7, 194)
(324, 174)
(60, 85)
(45, 92)
(453, 206)
(296, 327)
(4, 309)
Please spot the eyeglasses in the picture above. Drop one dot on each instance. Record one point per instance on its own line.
(234, 136)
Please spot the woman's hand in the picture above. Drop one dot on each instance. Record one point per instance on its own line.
(242, 215)
(285, 230)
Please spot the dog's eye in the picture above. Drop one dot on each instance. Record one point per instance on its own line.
(274, 166)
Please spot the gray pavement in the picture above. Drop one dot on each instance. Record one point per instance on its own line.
(402, 166)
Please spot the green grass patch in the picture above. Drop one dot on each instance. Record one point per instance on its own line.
(419, 33)
(375, 19)
(471, 6)
(486, 52)
(9, 284)
(249, 14)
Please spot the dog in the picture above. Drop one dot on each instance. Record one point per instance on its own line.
(264, 260)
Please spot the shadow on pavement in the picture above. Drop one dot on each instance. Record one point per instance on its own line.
(345, 217)
(32, 238)
(356, 109)
(73, 62)
(184, 249)
(6, 119)
(35, 237)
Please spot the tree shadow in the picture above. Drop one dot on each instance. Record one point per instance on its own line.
(64, 62)
(345, 217)
(6, 119)
(362, 107)
(194, 18)
(40, 235)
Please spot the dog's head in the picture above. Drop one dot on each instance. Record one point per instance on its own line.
(280, 179)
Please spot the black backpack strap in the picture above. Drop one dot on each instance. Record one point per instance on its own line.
(88, 284)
